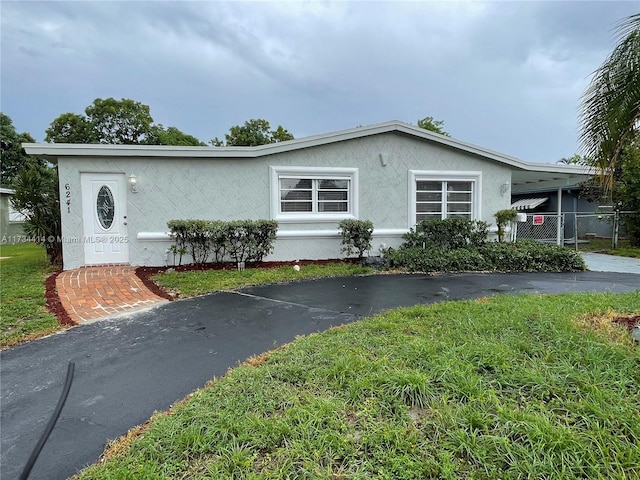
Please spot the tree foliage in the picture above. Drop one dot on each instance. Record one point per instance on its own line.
(70, 128)
(254, 132)
(37, 197)
(173, 136)
(437, 126)
(12, 155)
(627, 191)
(575, 159)
(117, 122)
(610, 110)
(123, 121)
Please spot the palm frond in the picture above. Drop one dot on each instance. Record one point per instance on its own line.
(610, 109)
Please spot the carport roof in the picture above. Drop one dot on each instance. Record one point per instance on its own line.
(526, 176)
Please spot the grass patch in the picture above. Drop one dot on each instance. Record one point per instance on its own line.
(188, 284)
(603, 245)
(22, 310)
(508, 387)
(625, 252)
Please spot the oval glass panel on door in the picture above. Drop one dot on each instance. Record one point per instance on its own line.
(105, 207)
(104, 218)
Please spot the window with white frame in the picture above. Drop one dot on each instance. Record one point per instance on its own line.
(440, 195)
(307, 193)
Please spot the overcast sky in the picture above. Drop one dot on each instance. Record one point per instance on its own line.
(502, 75)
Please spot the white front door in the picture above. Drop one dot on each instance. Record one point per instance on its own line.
(104, 215)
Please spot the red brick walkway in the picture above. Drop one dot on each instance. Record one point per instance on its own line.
(92, 292)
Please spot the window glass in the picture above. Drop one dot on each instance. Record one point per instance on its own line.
(296, 206)
(428, 186)
(429, 196)
(458, 186)
(316, 195)
(431, 204)
(295, 183)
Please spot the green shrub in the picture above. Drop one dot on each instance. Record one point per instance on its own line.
(218, 239)
(525, 256)
(356, 236)
(249, 240)
(449, 233)
(503, 217)
(531, 256)
(436, 259)
(199, 244)
(178, 230)
(205, 240)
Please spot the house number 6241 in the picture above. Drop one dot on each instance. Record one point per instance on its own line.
(67, 196)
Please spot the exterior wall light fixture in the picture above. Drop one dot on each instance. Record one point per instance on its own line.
(133, 182)
(504, 188)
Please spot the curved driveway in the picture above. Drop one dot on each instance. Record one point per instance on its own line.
(128, 367)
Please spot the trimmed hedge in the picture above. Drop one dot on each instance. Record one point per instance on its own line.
(524, 256)
(447, 234)
(213, 240)
(531, 256)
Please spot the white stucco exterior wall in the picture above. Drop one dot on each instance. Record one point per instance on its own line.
(239, 188)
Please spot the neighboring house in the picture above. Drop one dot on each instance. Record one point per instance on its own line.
(117, 199)
(11, 221)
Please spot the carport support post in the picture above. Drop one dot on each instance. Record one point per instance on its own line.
(575, 230)
(558, 231)
(616, 228)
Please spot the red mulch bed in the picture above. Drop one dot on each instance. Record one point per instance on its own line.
(53, 300)
(628, 322)
(145, 273)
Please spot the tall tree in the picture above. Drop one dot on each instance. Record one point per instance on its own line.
(120, 121)
(70, 128)
(114, 121)
(610, 109)
(12, 156)
(254, 132)
(173, 136)
(429, 123)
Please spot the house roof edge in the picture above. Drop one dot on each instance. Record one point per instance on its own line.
(58, 150)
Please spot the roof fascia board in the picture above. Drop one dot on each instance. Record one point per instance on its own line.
(151, 151)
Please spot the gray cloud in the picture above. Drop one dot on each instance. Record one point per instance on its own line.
(504, 75)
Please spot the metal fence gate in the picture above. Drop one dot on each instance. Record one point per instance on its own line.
(544, 228)
(600, 230)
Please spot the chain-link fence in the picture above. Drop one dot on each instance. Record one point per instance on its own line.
(595, 231)
(544, 228)
(585, 231)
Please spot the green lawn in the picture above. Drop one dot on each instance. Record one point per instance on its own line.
(188, 284)
(625, 252)
(508, 387)
(603, 245)
(22, 306)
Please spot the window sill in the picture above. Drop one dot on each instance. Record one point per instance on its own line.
(314, 218)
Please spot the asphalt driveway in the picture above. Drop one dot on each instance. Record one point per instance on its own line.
(128, 367)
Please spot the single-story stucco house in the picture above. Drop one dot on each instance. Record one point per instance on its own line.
(116, 200)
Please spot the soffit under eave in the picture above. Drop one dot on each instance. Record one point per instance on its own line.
(546, 182)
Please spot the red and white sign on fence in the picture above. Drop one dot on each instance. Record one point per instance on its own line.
(538, 219)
